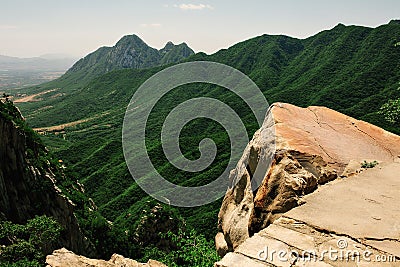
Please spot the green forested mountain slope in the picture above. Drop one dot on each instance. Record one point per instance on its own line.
(130, 52)
(351, 69)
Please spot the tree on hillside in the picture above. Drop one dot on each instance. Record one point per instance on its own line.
(391, 110)
(28, 244)
(6, 97)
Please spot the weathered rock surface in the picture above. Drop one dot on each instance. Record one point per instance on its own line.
(314, 146)
(66, 258)
(350, 222)
(27, 190)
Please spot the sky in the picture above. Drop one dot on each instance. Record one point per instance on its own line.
(77, 27)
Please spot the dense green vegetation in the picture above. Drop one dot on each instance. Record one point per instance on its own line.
(151, 230)
(351, 69)
(369, 165)
(28, 245)
(391, 110)
(191, 250)
(129, 52)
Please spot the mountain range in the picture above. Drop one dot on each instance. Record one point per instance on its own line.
(17, 72)
(351, 69)
(43, 63)
(129, 52)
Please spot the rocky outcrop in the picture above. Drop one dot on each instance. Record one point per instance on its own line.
(314, 146)
(27, 181)
(351, 222)
(65, 258)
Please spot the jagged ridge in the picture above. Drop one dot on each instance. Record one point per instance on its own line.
(129, 52)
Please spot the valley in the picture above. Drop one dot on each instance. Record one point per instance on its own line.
(79, 117)
(17, 73)
(16, 79)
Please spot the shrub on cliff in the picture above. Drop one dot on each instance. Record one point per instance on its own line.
(391, 111)
(28, 245)
(192, 249)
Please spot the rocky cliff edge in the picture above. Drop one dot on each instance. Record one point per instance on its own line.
(28, 183)
(314, 146)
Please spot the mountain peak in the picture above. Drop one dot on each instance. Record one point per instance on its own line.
(339, 26)
(168, 47)
(130, 40)
(175, 53)
(169, 44)
(184, 44)
(129, 52)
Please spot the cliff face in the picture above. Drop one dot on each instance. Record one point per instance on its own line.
(27, 184)
(314, 145)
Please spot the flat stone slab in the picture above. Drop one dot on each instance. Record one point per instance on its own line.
(334, 136)
(292, 238)
(266, 249)
(237, 260)
(392, 247)
(363, 206)
(357, 219)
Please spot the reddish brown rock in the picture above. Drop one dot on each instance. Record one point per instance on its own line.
(314, 145)
(335, 137)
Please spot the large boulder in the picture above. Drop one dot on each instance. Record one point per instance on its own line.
(350, 222)
(314, 145)
(66, 258)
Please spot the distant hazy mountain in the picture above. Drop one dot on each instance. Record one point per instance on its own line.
(56, 56)
(129, 52)
(45, 63)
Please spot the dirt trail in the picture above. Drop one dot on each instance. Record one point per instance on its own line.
(61, 127)
(32, 98)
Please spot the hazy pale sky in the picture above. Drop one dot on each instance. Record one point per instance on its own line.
(76, 27)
